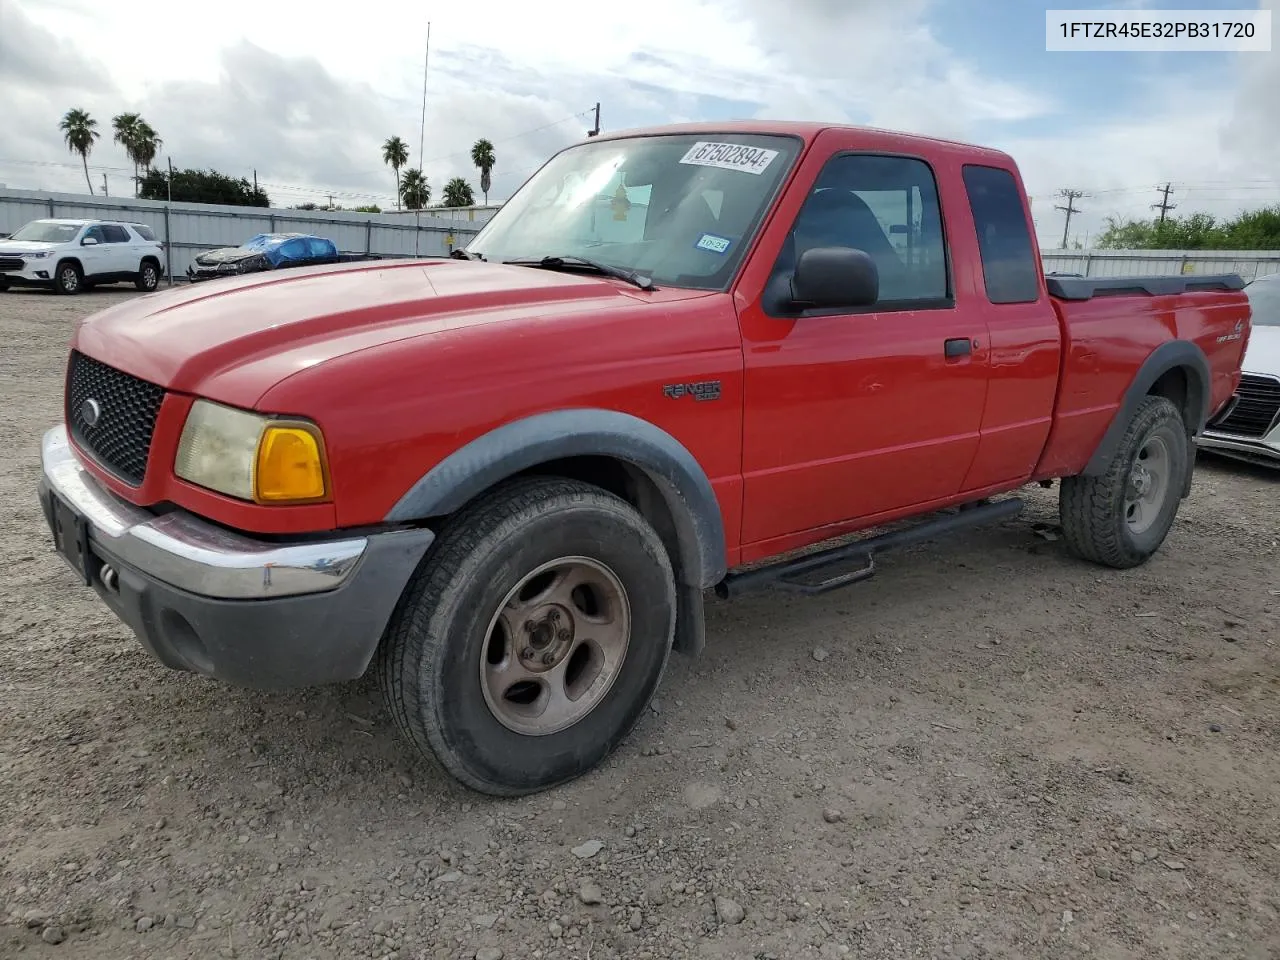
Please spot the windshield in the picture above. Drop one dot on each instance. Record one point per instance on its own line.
(678, 209)
(1264, 301)
(42, 231)
(264, 240)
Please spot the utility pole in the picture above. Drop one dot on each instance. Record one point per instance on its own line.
(1164, 206)
(105, 192)
(1071, 196)
(255, 182)
(595, 131)
(331, 201)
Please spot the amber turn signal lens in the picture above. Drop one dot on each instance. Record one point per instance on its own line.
(290, 466)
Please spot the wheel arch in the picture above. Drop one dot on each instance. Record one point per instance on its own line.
(624, 454)
(1177, 370)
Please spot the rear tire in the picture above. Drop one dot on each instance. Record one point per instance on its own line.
(532, 638)
(68, 280)
(1121, 518)
(148, 277)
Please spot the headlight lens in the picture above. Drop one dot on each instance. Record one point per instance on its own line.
(37, 256)
(251, 457)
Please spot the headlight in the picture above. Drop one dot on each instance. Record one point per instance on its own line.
(37, 256)
(252, 457)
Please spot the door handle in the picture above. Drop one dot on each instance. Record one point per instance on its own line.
(957, 347)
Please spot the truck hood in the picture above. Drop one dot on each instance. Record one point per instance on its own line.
(1263, 353)
(235, 339)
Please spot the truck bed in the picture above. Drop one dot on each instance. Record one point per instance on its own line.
(1114, 325)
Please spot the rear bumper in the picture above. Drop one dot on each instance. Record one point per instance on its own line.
(206, 600)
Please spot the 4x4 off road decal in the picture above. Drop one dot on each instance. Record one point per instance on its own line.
(702, 390)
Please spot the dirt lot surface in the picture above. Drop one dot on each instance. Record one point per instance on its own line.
(990, 750)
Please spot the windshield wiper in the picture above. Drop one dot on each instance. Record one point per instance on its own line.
(574, 262)
(459, 254)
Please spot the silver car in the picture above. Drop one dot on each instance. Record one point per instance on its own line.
(1249, 426)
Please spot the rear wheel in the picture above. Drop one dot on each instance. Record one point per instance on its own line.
(530, 641)
(67, 279)
(1121, 518)
(148, 277)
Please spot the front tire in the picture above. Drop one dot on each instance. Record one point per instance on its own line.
(1121, 518)
(532, 638)
(68, 280)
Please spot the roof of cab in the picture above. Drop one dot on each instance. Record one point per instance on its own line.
(809, 130)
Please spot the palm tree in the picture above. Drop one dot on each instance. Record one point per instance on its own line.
(147, 144)
(414, 189)
(79, 130)
(125, 126)
(457, 193)
(482, 156)
(395, 153)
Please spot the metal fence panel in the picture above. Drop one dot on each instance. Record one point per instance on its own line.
(191, 228)
(1161, 263)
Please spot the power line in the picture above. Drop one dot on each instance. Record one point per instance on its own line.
(1071, 197)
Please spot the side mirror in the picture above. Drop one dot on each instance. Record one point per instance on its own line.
(835, 277)
(89, 242)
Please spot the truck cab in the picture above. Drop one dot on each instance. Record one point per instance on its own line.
(506, 480)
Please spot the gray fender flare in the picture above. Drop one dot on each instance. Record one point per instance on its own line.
(1170, 355)
(526, 443)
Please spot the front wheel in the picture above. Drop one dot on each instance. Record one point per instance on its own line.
(1121, 518)
(532, 638)
(67, 279)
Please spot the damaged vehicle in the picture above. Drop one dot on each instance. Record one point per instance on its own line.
(270, 251)
(1249, 426)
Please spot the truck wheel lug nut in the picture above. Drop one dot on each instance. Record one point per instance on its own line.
(564, 633)
(548, 658)
(527, 653)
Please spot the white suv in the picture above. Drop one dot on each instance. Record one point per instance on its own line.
(71, 255)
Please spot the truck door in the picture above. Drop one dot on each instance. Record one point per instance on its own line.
(859, 412)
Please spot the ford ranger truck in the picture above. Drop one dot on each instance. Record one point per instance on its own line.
(679, 359)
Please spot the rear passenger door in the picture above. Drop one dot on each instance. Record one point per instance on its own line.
(1022, 326)
(118, 250)
(854, 413)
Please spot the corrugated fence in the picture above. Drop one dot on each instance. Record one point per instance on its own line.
(191, 228)
(1161, 263)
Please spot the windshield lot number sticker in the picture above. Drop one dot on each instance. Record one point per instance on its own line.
(709, 241)
(730, 156)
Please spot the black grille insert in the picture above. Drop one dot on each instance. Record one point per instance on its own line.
(112, 415)
(11, 263)
(1254, 409)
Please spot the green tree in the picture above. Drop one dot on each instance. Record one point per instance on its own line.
(1252, 230)
(202, 186)
(79, 130)
(483, 157)
(147, 143)
(457, 193)
(395, 153)
(414, 189)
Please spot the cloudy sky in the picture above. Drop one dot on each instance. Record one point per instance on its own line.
(306, 98)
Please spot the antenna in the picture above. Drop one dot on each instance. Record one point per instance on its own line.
(422, 137)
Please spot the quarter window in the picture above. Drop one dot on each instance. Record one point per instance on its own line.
(1004, 242)
(888, 208)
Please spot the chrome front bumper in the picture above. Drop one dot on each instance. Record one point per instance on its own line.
(183, 551)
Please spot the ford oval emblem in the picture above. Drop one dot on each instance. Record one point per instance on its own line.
(90, 412)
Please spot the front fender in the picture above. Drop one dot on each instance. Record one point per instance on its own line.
(523, 444)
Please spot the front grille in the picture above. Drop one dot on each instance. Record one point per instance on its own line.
(1255, 408)
(11, 263)
(126, 408)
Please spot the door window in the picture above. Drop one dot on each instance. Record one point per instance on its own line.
(1004, 240)
(115, 233)
(888, 208)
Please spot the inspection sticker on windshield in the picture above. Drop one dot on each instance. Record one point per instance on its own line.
(730, 156)
(709, 241)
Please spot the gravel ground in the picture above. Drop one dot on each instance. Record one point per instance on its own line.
(990, 750)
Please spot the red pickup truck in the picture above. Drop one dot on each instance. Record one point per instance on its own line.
(673, 359)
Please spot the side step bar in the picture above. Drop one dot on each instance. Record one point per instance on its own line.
(785, 575)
